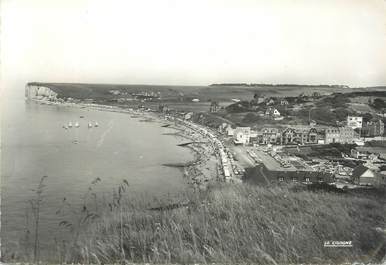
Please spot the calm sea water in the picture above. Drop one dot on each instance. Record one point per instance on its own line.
(34, 144)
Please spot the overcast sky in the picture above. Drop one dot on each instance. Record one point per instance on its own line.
(194, 42)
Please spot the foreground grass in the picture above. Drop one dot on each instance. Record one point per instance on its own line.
(231, 224)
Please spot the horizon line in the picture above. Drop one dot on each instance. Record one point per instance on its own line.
(212, 84)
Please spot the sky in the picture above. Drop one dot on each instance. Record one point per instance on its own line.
(193, 42)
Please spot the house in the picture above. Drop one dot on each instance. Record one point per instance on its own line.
(364, 176)
(313, 123)
(364, 155)
(344, 135)
(229, 130)
(354, 122)
(284, 102)
(316, 95)
(358, 154)
(269, 102)
(373, 128)
(300, 136)
(269, 136)
(272, 112)
(258, 99)
(242, 135)
(253, 137)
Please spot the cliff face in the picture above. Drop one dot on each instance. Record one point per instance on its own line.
(36, 92)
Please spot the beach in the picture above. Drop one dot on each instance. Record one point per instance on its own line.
(201, 170)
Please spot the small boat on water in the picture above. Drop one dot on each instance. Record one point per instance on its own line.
(70, 125)
(89, 124)
(96, 124)
(77, 124)
(81, 116)
(65, 127)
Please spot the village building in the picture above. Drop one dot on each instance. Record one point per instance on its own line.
(270, 101)
(364, 155)
(312, 123)
(284, 102)
(373, 128)
(258, 99)
(358, 154)
(343, 135)
(363, 175)
(354, 122)
(316, 95)
(269, 136)
(299, 136)
(229, 130)
(272, 112)
(241, 135)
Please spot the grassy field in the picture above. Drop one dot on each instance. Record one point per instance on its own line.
(205, 93)
(239, 223)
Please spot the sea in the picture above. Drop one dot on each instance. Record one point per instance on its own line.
(34, 143)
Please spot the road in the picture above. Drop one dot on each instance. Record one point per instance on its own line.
(268, 161)
(242, 157)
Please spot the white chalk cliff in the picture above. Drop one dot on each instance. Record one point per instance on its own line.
(36, 92)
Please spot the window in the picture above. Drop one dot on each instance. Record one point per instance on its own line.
(281, 179)
(294, 179)
(307, 179)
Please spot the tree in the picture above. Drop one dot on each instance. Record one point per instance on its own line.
(379, 103)
(367, 117)
(250, 117)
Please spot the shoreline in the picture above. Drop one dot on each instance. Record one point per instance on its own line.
(199, 171)
(202, 168)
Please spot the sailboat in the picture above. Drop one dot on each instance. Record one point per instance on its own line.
(96, 124)
(77, 124)
(70, 124)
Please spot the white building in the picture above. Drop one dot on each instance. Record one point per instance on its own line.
(229, 130)
(242, 135)
(354, 122)
(272, 112)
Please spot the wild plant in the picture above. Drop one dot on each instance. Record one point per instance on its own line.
(36, 204)
(79, 217)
